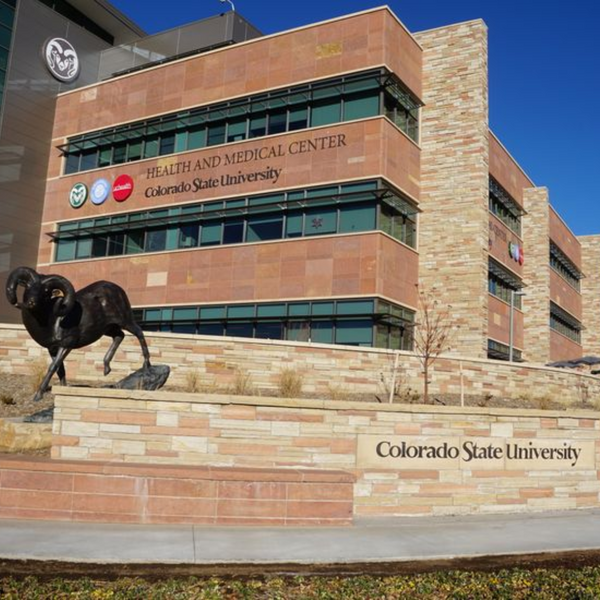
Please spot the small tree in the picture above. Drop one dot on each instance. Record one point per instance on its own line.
(432, 335)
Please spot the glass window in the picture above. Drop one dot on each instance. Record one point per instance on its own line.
(7, 15)
(354, 307)
(320, 221)
(240, 311)
(99, 246)
(244, 329)
(264, 228)
(151, 147)
(325, 112)
(354, 333)
(185, 314)
(210, 329)
(210, 233)
(269, 330)
(298, 118)
(119, 153)
(196, 138)
(5, 35)
(277, 121)
(236, 130)
(298, 331)
(322, 308)
(71, 163)
(167, 143)
(116, 244)
(233, 231)
(299, 309)
(258, 126)
(84, 248)
(188, 235)
(156, 240)
(357, 217)
(181, 141)
(65, 250)
(212, 312)
(361, 106)
(135, 242)
(293, 226)
(271, 310)
(89, 160)
(322, 332)
(216, 134)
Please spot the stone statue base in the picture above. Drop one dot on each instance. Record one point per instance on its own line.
(149, 379)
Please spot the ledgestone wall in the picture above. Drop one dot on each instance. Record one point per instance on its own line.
(216, 364)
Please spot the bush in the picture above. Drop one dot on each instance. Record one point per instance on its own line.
(290, 383)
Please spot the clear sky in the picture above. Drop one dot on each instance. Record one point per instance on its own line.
(544, 75)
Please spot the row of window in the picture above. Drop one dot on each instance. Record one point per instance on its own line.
(565, 267)
(364, 322)
(66, 9)
(500, 351)
(504, 207)
(310, 105)
(344, 208)
(7, 17)
(564, 323)
(499, 288)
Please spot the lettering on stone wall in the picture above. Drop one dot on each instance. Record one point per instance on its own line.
(471, 453)
(204, 168)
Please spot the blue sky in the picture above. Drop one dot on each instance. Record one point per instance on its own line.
(544, 76)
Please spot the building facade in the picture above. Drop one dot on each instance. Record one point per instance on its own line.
(306, 186)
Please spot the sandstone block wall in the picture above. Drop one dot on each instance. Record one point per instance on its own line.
(590, 293)
(453, 232)
(220, 364)
(536, 302)
(251, 432)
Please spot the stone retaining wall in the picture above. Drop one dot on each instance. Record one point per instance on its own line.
(103, 492)
(328, 371)
(475, 460)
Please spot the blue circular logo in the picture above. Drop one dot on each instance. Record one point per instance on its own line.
(99, 191)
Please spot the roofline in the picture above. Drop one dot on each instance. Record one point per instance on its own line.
(563, 222)
(252, 41)
(122, 17)
(512, 158)
(478, 20)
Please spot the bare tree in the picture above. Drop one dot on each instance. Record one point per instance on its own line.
(432, 335)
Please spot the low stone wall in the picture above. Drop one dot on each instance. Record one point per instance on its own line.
(408, 460)
(16, 436)
(104, 492)
(327, 371)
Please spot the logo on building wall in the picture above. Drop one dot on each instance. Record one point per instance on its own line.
(122, 188)
(516, 252)
(99, 191)
(78, 195)
(61, 59)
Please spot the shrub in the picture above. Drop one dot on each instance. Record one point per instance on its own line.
(290, 383)
(242, 384)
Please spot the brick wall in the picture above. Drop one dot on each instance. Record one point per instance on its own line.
(453, 233)
(328, 371)
(252, 432)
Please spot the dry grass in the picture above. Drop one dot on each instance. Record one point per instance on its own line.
(193, 382)
(7, 400)
(242, 384)
(36, 371)
(290, 383)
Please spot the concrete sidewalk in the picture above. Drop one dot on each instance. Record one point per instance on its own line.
(392, 540)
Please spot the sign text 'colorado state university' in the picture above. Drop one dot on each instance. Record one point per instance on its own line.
(470, 453)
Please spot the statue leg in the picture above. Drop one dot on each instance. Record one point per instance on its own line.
(62, 374)
(117, 339)
(139, 334)
(57, 362)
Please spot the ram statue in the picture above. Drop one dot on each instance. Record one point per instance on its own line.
(61, 319)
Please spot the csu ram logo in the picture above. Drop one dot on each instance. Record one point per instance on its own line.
(78, 195)
(61, 59)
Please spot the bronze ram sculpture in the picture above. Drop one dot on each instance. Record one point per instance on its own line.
(61, 319)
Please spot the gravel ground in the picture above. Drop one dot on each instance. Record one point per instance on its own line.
(16, 397)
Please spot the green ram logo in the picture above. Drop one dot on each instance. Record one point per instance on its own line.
(78, 195)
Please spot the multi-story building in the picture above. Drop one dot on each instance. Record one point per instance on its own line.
(37, 62)
(304, 186)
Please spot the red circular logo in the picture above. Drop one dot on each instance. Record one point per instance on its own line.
(122, 188)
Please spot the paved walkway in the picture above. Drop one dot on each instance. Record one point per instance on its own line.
(367, 541)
